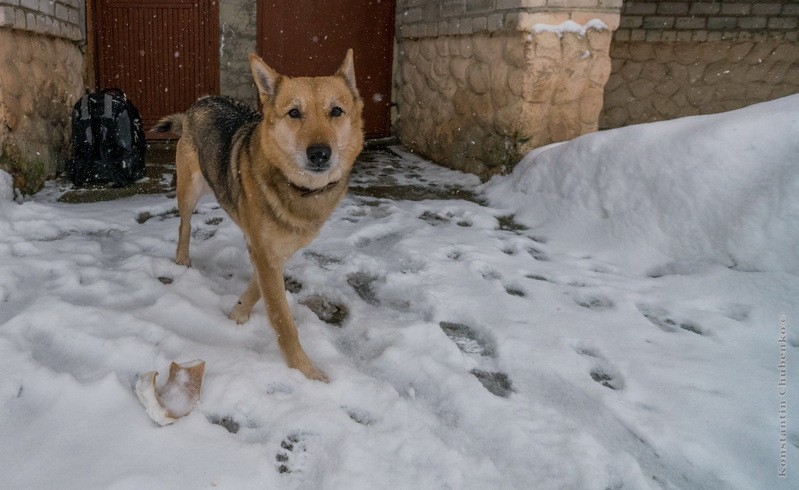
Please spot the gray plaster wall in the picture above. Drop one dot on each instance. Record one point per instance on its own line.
(237, 29)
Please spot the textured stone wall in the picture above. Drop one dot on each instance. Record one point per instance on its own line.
(680, 58)
(41, 77)
(237, 28)
(657, 81)
(479, 103)
(479, 83)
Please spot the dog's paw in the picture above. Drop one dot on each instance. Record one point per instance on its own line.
(310, 371)
(239, 315)
(179, 260)
(316, 374)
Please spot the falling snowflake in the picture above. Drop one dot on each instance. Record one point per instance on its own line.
(378, 97)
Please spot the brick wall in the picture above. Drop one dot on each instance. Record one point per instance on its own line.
(709, 20)
(58, 18)
(681, 58)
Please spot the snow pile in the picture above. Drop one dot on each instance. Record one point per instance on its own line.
(671, 195)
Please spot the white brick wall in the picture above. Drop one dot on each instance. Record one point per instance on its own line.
(58, 18)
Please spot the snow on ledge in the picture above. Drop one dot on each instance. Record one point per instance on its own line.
(571, 26)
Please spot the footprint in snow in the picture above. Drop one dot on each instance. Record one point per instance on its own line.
(440, 218)
(225, 421)
(596, 303)
(435, 219)
(363, 284)
(468, 340)
(454, 254)
(509, 223)
(538, 277)
(489, 273)
(464, 222)
(475, 343)
(380, 242)
(359, 416)
(537, 254)
(602, 372)
(508, 250)
(605, 379)
(202, 233)
(321, 260)
(292, 457)
(214, 221)
(515, 291)
(370, 209)
(661, 319)
(497, 383)
(146, 216)
(292, 285)
(328, 311)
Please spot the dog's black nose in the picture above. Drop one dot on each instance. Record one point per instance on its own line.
(318, 157)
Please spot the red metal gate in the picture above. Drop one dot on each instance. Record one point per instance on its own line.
(311, 37)
(163, 53)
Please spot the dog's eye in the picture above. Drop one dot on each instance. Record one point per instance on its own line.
(336, 112)
(295, 113)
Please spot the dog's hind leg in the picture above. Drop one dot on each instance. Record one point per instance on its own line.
(191, 185)
(241, 311)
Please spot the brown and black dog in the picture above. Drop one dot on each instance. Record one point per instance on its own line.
(278, 175)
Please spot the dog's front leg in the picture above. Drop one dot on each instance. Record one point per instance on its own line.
(241, 311)
(270, 277)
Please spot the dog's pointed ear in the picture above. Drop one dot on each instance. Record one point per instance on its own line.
(265, 78)
(347, 71)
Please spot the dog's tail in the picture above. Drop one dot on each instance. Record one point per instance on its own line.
(170, 124)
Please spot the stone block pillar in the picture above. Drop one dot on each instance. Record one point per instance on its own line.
(41, 77)
(480, 83)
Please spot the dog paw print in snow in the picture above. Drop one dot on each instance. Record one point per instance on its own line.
(293, 455)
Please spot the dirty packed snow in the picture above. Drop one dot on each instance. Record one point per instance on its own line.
(620, 312)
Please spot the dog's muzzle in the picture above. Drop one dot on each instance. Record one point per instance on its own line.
(318, 157)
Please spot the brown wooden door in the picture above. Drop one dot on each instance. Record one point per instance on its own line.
(163, 53)
(311, 37)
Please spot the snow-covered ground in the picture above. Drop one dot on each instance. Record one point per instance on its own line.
(611, 315)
